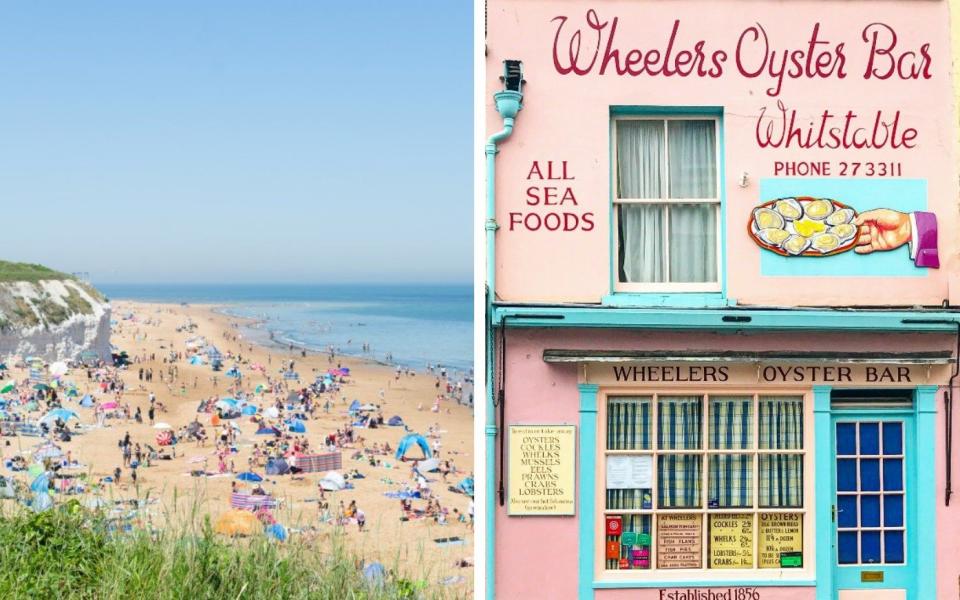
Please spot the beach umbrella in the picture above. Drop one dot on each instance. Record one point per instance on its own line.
(3, 366)
(48, 451)
(249, 476)
(41, 386)
(8, 388)
(59, 413)
(237, 522)
(162, 425)
(59, 368)
(73, 392)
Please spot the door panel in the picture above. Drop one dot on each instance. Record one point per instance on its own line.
(872, 516)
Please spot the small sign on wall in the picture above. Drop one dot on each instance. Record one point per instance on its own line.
(542, 475)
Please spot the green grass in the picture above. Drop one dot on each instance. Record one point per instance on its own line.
(70, 552)
(11, 271)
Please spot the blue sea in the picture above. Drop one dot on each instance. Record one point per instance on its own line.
(410, 325)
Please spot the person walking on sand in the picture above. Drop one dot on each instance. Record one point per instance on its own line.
(361, 520)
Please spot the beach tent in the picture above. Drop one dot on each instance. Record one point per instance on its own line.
(354, 406)
(333, 481)
(7, 489)
(233, 372)
(237, 522)
(296, 426)
(109, 405)
(196, 359)
(272, 412)
(410, 440)
(395, 421)
(249, 476)
(41, 502)
(426, 466)
(466, 486)
(368, 407)
(293, 397)
(226, 404)
(249, 410)
(277, 466)
(268, 431)
(86, 401)
(259, 389)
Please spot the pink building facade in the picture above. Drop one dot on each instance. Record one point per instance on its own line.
(723, 289)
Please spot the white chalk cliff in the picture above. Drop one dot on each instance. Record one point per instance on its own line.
(55, 319)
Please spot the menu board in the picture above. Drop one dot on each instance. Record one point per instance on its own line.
(731, 541)
(679, 541)
(779, 533)
(629, 472)
(542, 470)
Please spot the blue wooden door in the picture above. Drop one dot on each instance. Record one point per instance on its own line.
(873, 514)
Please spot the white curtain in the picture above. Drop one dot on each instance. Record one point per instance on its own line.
(693, 159)
(641, 166)
(643, 228)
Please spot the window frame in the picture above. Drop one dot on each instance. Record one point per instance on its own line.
(655, 576)
(717, 203)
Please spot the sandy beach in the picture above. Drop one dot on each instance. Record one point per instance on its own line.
(150, 332)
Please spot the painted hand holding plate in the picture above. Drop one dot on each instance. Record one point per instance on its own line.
(804, 226)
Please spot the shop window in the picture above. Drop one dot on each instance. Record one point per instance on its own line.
(667, 204)
(704, 482)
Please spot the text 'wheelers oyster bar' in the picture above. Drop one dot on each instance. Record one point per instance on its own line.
(723, 292)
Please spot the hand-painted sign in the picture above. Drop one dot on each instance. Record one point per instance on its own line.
(731, 593)
(542, 470)
(731, 541)
(679, 544)
(780, 534)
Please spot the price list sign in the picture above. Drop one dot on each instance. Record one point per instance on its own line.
(731, 541)
(679, 541)
(781, 537)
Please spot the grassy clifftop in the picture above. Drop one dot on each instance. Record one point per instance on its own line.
(32, 295)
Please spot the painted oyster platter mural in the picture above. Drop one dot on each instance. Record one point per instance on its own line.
(804, 226)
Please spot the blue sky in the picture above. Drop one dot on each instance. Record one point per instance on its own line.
(238, 141)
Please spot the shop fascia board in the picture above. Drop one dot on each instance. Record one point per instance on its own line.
(739, 319)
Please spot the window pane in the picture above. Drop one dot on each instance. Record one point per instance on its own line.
(870, 438)
(628, 423)
(846, 439)
(893, 546)
(847, 547)
(678, 423)
(870, 547)
(642, 243)
(693, 242)
(730, 481)
(781, 422)
(640, 154)
(781, 480)
(846, 474)
(679, 541)
(679, 481)
(633, 546)
(846, 511)
(892, 438)
(731, 423)
(870, 511)
(693, 159)
(893, 474)
(869, 475)
(893, 510)
(630, 499)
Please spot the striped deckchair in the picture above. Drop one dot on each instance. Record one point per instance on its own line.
(252, 501)
(316, 463)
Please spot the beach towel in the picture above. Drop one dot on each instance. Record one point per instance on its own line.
(316, 463)
(252, 501)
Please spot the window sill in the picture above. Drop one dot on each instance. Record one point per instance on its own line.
(661, 299)
(695, 581)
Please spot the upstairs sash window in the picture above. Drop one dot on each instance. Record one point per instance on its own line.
(667, 204)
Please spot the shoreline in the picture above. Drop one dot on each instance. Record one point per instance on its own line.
(251, 324)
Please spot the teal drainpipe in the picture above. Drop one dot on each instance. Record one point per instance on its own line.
(508, 104)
